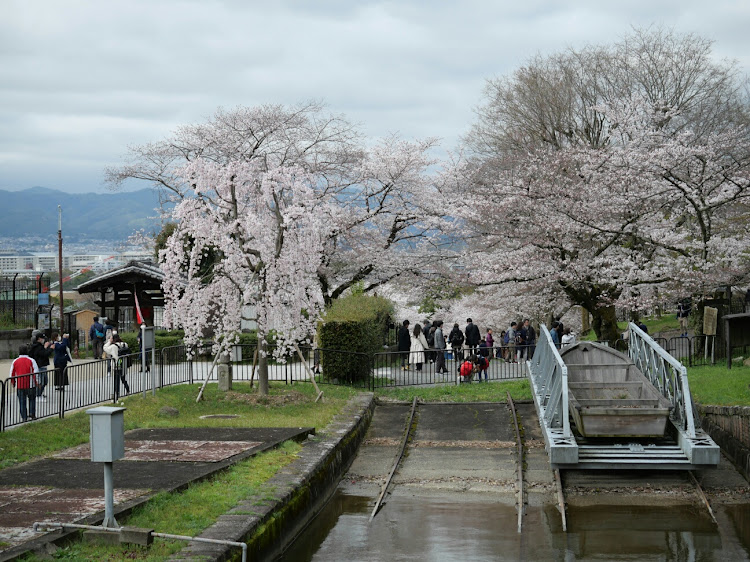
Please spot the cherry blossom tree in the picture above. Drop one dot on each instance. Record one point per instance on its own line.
(653, 215)
(609, 177)
(264, 230)
(389, 220)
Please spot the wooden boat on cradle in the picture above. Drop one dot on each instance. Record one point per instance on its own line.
(609, 397)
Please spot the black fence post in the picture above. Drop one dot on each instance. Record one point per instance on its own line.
(2, 406)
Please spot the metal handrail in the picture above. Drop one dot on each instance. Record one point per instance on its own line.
(551, 386)
(666, 373)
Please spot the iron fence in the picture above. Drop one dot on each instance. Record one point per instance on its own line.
(400, 368)
(94, 382)
(19, 299)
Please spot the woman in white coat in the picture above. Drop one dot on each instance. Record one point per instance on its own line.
(116, 349)
(418, 346)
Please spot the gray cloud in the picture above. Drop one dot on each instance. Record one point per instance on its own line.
(81, 80)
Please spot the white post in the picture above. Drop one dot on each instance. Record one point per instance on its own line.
(109, 495)
(143, 357)
(153, 369)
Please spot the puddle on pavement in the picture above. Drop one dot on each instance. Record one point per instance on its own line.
(419, 528)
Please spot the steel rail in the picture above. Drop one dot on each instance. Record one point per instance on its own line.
(702, 496)
(519, 446)
(561, 500)
(387, 482)
(42, 526)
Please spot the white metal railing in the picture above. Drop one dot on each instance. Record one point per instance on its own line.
(666, 373)
(550, 382)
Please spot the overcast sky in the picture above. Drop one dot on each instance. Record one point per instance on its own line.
(80, 81)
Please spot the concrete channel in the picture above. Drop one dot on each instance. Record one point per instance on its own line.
(454, 497)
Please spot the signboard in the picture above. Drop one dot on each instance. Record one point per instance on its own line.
(148, 337)
(43, 298)
(709, 321)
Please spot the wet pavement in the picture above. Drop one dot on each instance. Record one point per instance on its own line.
(70, 488)
(454, 498)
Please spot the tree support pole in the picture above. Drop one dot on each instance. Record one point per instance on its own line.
(309, 372)
(208, 376)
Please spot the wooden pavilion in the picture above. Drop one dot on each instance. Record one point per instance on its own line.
(117, 289)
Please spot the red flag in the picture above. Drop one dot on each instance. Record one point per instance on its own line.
(138, 315)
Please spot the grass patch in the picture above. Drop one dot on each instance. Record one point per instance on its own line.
(191, 511)
(667, 323)
(52, 435)
(718, 386)
(475, 392)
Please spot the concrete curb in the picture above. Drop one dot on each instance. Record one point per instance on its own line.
(270, 521)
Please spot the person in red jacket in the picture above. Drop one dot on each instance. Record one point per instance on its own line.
(467, 369)
(24, 377)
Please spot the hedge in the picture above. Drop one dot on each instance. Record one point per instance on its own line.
(356, 323)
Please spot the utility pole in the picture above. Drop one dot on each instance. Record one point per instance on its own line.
(60, 267)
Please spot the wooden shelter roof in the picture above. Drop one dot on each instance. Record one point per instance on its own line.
(146, 275)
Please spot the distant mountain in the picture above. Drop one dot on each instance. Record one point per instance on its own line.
(86, 216)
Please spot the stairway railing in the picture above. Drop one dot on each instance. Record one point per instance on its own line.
(666, 373)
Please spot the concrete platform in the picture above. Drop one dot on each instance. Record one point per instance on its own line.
(71, 489)
(465, 422)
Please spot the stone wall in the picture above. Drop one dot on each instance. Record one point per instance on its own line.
(294, 496)
(11, 340)
(729, 426)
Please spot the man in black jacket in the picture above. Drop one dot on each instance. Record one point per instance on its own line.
(404, 344)
(472, 336)
(40, 351)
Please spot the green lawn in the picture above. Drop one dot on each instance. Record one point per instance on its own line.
(188, 512)
(297, 408)
(197, 507)
(475, 392)
(718, 386)
(667, 323)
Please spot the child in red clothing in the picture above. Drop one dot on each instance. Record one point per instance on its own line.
(467, 369)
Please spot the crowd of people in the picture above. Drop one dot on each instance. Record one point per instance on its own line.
(430, 342)
(30, 371)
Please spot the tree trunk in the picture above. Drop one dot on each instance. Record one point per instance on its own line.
(262, 365)
(605, 323)
(585, 321)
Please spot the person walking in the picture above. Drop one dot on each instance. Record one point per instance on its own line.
(62, 355)
(117, 350)
(472, 336)
(683, 315)
(456, 339)
(418, 345)
(40, 351)
(490, 340)
(512, 335)
(430, 355)
(96, 337)
(404, 343)
(440, 347)
(554, 334)
(569, 338)
(24, 376)
(530, 338)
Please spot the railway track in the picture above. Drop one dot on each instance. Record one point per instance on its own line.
(519, 461)
(402, 449)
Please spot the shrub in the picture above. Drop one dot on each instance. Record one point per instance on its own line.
(356, 323)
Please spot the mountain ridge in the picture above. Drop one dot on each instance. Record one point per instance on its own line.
(85, 216)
